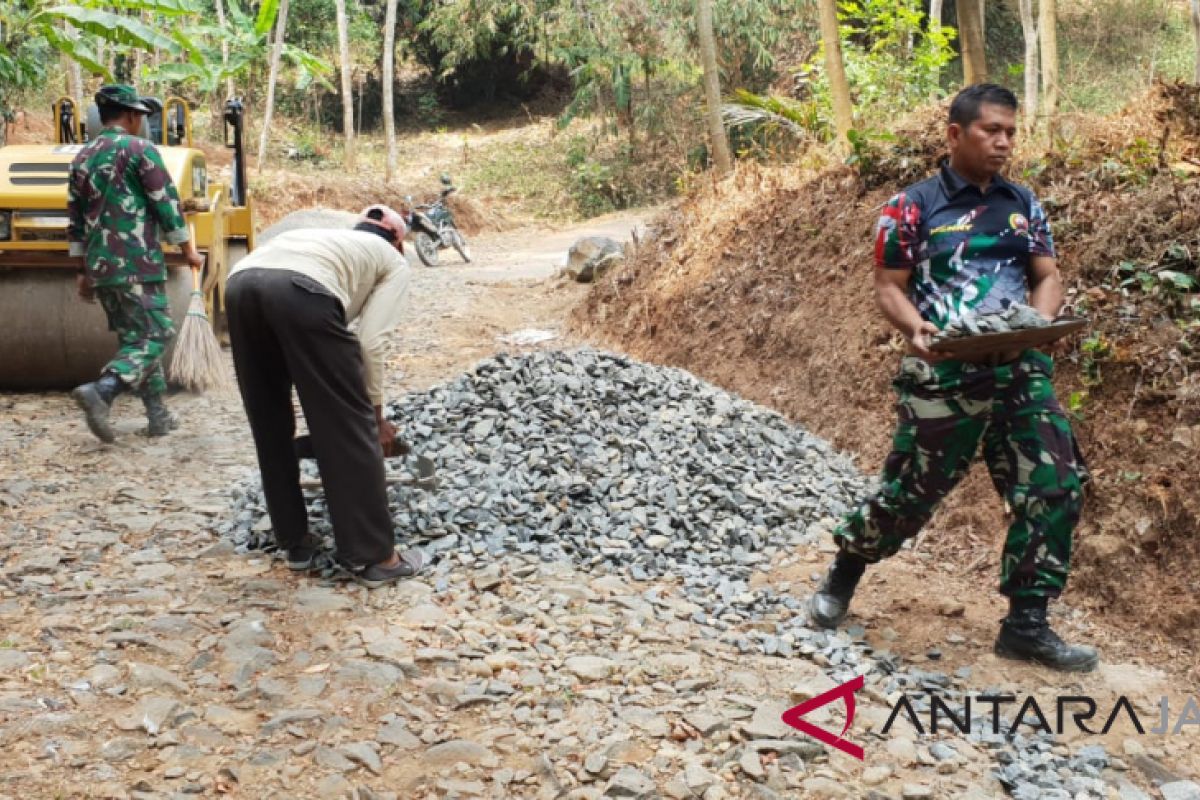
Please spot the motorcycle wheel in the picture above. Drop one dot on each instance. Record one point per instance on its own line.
(427, 249)
(460, 244)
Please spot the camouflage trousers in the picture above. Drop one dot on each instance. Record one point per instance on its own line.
(141, 317)
(945, 411)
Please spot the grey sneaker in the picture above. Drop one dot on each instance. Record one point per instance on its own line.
(302, 556)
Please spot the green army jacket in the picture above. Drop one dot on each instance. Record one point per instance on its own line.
(119, 196)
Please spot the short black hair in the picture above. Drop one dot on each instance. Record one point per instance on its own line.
(109, 112)
(964, 108)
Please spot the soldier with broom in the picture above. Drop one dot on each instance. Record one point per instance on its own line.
(120, 196)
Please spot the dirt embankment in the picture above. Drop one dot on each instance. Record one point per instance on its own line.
(763, 285)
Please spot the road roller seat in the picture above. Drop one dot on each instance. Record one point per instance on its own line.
(151, 123)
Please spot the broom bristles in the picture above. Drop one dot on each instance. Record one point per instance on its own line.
(197, 364)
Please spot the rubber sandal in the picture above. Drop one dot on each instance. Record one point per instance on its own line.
(411, 563)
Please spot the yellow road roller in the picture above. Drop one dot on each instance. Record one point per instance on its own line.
(49, 337)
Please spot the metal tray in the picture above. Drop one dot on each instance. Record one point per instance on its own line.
(986, 344)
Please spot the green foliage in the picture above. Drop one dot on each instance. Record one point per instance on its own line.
(429, 108)
(248, 38)
(1095, 349)
(893, 62)
(1172, 280)
(762, 119)
(1076, 403)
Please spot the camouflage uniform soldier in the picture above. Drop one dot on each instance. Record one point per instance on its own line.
(969, 240)
(119, 196)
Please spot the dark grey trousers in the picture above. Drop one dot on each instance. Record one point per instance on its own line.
(286, 330)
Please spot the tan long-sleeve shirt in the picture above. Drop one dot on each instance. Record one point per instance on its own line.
(360, 269)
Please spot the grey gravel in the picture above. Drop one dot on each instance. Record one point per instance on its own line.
(613, 464)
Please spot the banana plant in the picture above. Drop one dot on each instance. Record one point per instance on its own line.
(247, 38)
(113, 24)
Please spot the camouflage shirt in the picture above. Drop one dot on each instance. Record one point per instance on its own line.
(119, 195)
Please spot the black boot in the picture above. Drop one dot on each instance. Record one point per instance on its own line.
(829, 605)
(162, 421)
(1025, 635)
(95, 399)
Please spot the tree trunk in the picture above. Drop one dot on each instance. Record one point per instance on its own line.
(1048, 26)
(1196, 30)
(1030, 33)
(970, 34)
(276, 49)
(343, 31)
(224, 48)
(389, 79)
(74, 73)
(839, 87)
(712, 87)
(935, 23)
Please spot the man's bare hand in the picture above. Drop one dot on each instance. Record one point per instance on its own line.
(85, 289)
(194, 257)
(387, 438)
(920, 340)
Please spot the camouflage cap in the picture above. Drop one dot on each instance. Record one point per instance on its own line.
(121, 95)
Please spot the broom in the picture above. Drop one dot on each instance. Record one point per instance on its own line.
(196, 364)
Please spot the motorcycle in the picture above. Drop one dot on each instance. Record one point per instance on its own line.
(433, 228)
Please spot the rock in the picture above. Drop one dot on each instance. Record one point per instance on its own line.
(334, 787)
(395, 733)
(1180, 790)
(591, 256)
(820, 788)
(392, 651)
(589, 668)
(942, 751)
(424, 615)
(951, 608)
(658, 541)
(676, 789)
(1127, 791)
(706, 724)
(903, 750)
(487, 578)
(629, 782)
(13, 661)
(320, 600)
(751, 764)
(456, 751)
(595, 763)
(152, 714)
(363, 753)
(697, 778)
(767, 722)
(357, 672)
(148, 676)
(329, 758)
(877, 774)
(289, 717)
(123, 749)
(914, 791)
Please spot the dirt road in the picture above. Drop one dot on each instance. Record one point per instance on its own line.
(140, 657)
